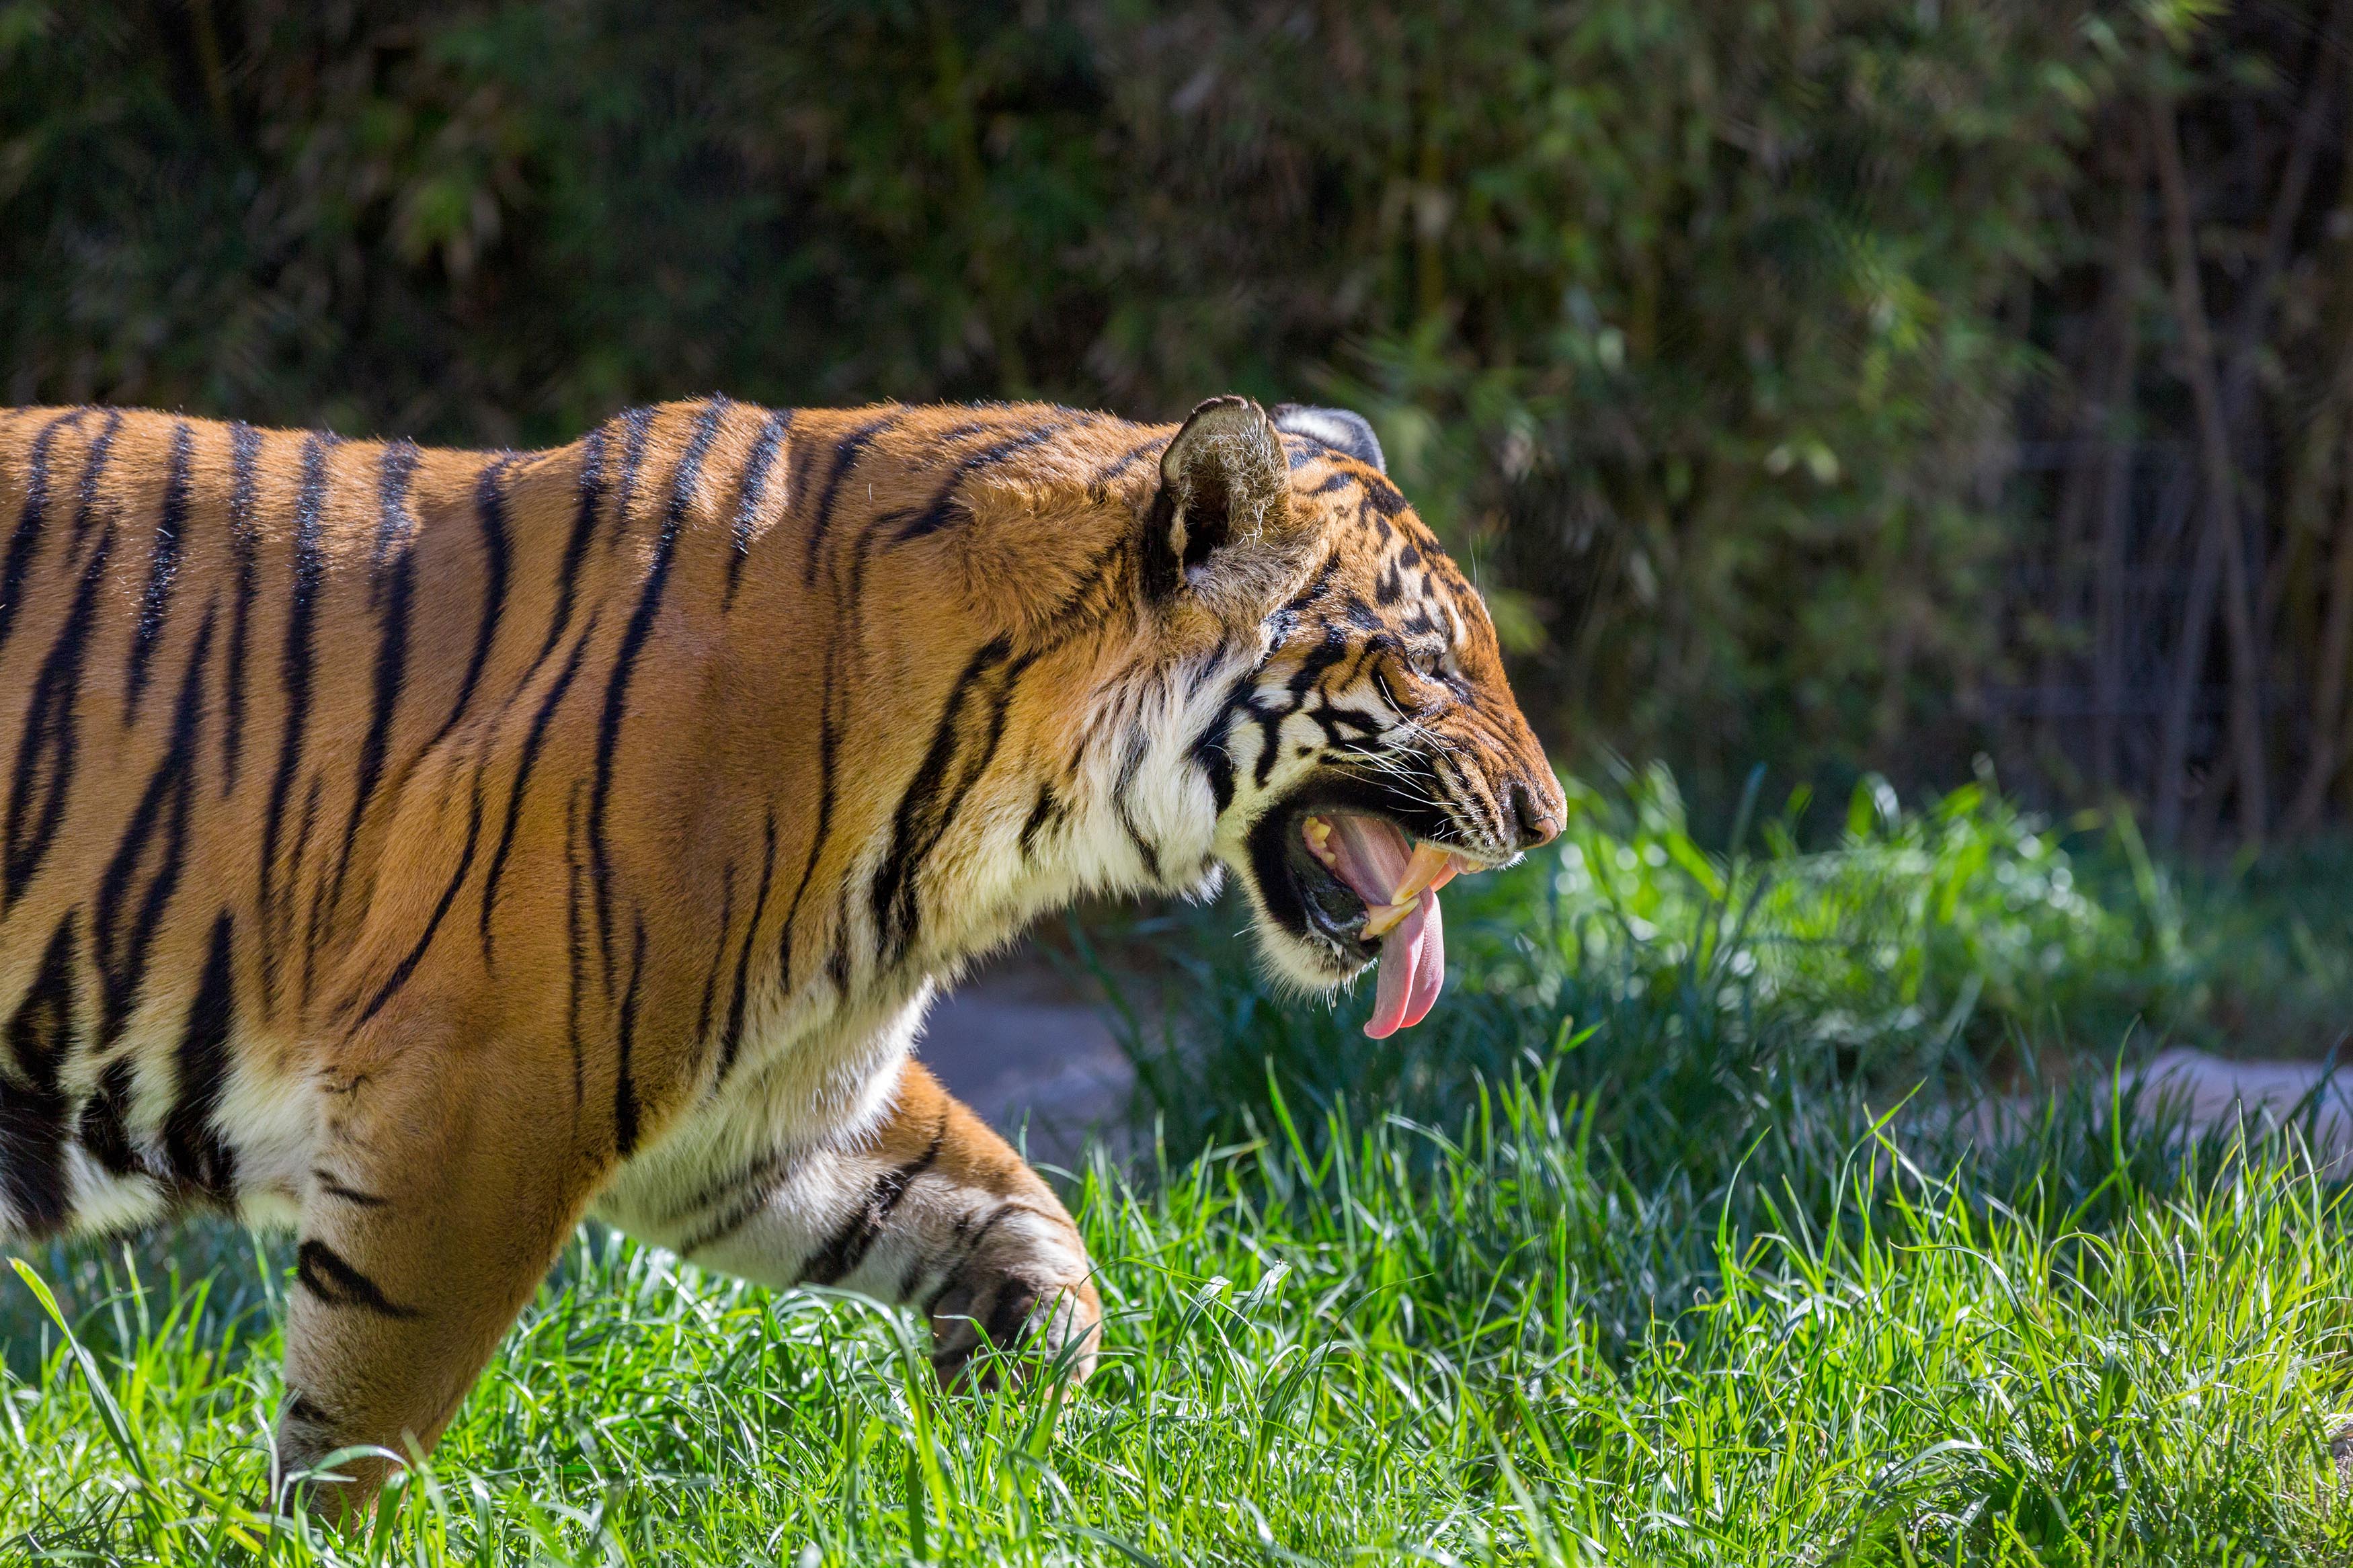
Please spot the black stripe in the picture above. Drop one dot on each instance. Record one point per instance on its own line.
(199, 1157)
(731, 1186)
(754, 491)
(845, 457)
(718, 954)
(837, 963)
(104, 1131)
(1045, 811)
(45, 753)
(408, 965)
(1130, 457)
(490, 514)
(943, 509)
(294, 676)
(1093, 598)
(1210, 755)
(770, 1172)
(163, 570)
(575, 549)
(731, 1041)
(122, 950)
(395, 577)
(301, 1409)
(335, 1189)
(327, 1275)
(294, 879)
(1121, 793)
(616, 685)
(1210, 750)
(575, 947)
(34, 1117)
(846, 612)
(846, 1248)
(395, 522)
(950, 770)
(736, 1218)
(1270, 748)
(1380, 497)
(93, 468)
(1009, 1313)
(533, 738)
(1316, 585)
(1329, 652)
(1326, 655)
(26, 542)
(245, 449)
(829, 737)
(826, 740)
(636, 425)
(43, 1023)
(829, 727)
(972, 1238)
(1162, 569)
(625, 1083)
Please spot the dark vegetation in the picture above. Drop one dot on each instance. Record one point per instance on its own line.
(1833, 383)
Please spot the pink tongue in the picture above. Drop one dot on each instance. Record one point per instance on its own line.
(1373, 856)
(1413, 967)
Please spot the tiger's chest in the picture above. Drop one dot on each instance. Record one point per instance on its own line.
(797, 1089)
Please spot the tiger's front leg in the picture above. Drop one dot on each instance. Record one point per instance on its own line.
(441, 1190)
(932, 1210)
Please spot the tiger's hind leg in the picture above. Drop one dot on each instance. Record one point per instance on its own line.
(440, 1192)
(932, 1210)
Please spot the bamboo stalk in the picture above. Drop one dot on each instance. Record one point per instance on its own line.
(2115, 474)
(2325, 761)
(2288, 205)
(2222, 536)
(2181, 695)
(2328, 700)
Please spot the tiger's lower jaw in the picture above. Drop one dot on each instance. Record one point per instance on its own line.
(1302, 957)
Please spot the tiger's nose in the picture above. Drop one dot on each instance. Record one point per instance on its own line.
(1537, 822)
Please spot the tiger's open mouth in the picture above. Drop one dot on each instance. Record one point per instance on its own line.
(1371, 890)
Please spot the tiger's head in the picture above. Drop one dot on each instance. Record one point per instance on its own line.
(1361, 746)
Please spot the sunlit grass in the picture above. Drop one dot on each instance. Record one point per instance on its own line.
(1638, 1253)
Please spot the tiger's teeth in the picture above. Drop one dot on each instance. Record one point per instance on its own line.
(1430, 867)
(1382, 918)
(1319, 842)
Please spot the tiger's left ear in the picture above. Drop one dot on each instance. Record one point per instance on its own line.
(1223, 481)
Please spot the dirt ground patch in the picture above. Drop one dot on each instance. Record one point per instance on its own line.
(1032, 1054)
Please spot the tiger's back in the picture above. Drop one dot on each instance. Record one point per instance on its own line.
(195, 729)
(285, 697)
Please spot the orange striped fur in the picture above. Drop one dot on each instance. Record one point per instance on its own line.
(423, 849)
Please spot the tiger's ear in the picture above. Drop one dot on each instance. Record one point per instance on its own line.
(1350, 434)
(1223, 481)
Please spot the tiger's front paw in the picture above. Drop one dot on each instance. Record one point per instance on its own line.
(1028, 1289)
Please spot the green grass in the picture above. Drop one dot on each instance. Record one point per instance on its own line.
(1644, 1250)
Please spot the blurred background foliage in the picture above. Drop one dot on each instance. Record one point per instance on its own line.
(1843, 384)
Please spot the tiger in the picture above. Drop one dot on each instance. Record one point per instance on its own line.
(420, 850)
